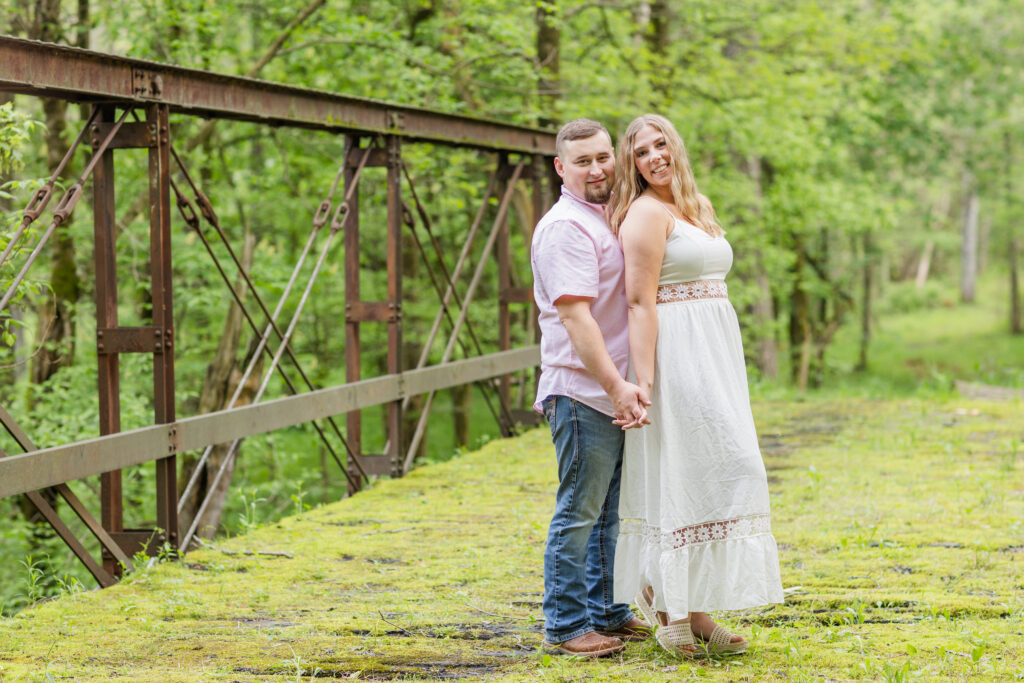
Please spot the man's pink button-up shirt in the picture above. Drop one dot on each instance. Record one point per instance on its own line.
(575, 254)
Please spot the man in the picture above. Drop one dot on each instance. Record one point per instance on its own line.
(579, 288)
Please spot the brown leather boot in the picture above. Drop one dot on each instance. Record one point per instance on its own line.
(590, 644)
(632, 631)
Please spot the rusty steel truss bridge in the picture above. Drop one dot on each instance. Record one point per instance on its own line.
(130, 103)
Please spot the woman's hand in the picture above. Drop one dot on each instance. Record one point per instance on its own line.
(631, 402)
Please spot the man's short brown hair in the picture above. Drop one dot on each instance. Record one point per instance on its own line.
(578, 129)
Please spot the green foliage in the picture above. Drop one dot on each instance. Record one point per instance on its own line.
(16, 129)
(16, 132)
(904, 297)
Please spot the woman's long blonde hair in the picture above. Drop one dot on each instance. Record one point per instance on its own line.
(629, 184)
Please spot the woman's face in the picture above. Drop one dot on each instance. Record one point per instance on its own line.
(652, 158)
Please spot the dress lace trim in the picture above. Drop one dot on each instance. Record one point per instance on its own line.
(689, 291)
(674, 539)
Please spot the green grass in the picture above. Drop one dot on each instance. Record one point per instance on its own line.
(923, 350)
(277, 474)
(899, 524)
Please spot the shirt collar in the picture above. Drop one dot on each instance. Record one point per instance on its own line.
(598, 208)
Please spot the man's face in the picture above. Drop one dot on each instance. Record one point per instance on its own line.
(587, 167)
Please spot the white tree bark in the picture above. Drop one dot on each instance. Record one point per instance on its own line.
(969, 242)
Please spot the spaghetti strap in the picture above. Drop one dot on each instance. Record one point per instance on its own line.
(673, 220)
(661, 204)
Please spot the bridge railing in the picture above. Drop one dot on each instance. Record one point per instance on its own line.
(131, 105)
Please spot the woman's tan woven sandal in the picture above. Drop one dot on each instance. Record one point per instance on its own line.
(720, 643)
(675, 638)
(646, 608)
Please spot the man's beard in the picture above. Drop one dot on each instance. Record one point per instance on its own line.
(598, 194)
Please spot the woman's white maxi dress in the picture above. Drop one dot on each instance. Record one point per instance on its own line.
(694, 507)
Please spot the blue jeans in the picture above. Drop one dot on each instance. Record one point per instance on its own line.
(580, 554)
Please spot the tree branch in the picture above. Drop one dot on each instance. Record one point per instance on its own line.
(142, 201)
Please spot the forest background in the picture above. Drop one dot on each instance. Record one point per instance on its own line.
(864, 158)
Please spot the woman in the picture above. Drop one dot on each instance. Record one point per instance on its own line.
(695, 531)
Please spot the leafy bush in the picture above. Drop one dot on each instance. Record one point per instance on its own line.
(906, 297)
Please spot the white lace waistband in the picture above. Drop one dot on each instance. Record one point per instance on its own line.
(674, 539)
(690, 291)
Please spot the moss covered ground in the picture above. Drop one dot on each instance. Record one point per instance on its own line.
(900, 525)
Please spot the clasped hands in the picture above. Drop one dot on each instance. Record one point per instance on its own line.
(631, 402)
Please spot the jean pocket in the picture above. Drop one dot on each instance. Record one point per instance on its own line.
(548, 405)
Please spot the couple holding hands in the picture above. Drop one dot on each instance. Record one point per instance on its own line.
(629, 274)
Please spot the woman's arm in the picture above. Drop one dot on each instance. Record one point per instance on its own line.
(643, 234)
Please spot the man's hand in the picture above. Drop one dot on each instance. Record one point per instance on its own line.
(631, 402)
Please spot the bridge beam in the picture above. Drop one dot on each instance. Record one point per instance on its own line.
(51, 466)
(48, 70)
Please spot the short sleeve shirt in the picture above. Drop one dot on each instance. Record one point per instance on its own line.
(575, 254)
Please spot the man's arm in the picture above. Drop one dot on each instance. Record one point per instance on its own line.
(629, 400)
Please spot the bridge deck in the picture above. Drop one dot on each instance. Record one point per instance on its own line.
(898, 524)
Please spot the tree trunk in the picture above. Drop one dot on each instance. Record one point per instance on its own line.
(222, 377)
(984, 237)
(461, 413)
(55, 332)
(865, 309)
(548, 39)
(799, 322)
(411, 415)
(656, 38)
(325, 474)
(925, 264)
(82, 25)
(1013, 249)
(1012, 243)
(642, 21)
(969, 242)
(766, 352)
(83, 39)
(412, 331)
(12, 370)
(211, 519)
